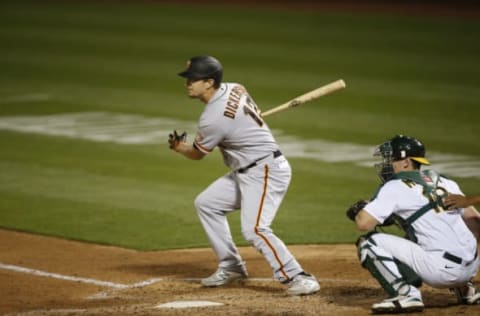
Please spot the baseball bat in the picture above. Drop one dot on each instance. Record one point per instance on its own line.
(309, 96)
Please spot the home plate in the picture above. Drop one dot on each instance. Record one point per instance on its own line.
(187, 304)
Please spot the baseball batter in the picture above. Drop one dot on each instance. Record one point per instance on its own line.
(258, 181)
(439, 248)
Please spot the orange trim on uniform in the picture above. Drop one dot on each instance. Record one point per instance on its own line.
(259, 215)
(202, 148)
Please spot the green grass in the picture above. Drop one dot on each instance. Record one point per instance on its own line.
(411, 75)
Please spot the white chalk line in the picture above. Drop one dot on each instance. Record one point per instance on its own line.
(78, 279)
(49, 311)
(131, 129)
(114, 287)
(127, 286)
(30, 97)
(106, 283)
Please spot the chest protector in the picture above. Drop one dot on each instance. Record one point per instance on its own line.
(428, 179)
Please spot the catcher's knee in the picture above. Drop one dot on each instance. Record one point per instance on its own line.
(363, 243)
(367, 236)
(408, 274)
(371, 261)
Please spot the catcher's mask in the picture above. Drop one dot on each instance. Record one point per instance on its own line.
(398, 148)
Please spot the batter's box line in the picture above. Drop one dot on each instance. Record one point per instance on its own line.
(113, 285)
(120, 286)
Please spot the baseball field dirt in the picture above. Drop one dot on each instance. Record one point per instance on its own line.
(42, 275)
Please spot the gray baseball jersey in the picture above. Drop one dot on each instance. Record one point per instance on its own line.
(257, 184)
(231, 121)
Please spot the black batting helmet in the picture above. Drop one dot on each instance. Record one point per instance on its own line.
(203, 67)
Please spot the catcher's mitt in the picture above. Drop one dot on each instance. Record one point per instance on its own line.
(353, 210)
(174, 139)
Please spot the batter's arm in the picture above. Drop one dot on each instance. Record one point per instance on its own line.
(178, 142)
(472, 218)
(189, 151)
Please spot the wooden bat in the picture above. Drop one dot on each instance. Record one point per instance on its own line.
(309, 96)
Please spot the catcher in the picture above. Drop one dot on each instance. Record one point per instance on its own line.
(438, 248)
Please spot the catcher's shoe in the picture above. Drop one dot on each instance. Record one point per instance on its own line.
(225, 276)
(467, 294)
(398, 304)
(303, 284)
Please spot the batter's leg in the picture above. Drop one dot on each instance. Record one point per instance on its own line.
(263, 189)
(212, 206)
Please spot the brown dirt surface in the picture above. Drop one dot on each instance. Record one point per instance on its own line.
(174, 275)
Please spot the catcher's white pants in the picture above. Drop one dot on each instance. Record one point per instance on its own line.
(431, 266)
(257, 193)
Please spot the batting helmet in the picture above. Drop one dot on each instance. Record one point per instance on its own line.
(203, 67)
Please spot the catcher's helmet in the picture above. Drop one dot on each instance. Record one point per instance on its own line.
(406, 146)
(398, 148)
(203, 67)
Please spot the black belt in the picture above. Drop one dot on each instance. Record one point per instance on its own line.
(456, 259)
(276, 153)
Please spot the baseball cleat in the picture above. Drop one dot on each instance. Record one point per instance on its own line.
(399, 304)
(467, 294)
(303, 284)
(225, 276)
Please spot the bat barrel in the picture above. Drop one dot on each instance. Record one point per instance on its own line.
(309, 96)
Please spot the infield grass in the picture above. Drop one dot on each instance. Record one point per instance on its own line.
(411, 75)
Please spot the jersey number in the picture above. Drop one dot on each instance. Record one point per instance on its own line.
(435, 196)
(250, 108)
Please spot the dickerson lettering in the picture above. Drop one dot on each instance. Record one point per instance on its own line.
(233, 101)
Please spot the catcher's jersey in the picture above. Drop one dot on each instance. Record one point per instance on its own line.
(435, 231)
(231, 121)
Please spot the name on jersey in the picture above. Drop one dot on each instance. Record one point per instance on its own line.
(234, 101)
